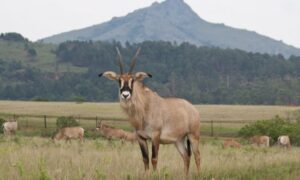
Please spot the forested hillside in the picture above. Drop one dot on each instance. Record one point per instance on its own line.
(199, 74)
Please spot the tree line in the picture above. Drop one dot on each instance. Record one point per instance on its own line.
(205, 75)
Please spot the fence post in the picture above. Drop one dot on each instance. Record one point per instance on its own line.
(45, 121)
(212, 128)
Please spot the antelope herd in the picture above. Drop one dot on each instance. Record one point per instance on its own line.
(259, 141)
(109, 132)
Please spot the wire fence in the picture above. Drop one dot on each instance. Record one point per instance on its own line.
(47, 123)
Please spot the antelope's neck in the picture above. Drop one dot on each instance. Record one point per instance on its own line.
(136, 107)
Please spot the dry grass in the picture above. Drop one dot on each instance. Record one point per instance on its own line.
(112, 110)
(61, 108)
(242, 112)
(37, 158)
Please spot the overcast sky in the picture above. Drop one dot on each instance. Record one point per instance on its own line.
(35, 19)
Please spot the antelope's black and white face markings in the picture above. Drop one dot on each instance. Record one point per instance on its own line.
(126, 86)
(126, 80)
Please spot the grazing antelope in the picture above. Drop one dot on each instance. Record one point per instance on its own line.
(284, 141)
(129, 136)
(111, 132)
(10, 128)
(260, 140)
(69, 133)
(161, 120)
(231, 143)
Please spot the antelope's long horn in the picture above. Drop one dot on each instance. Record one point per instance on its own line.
(120, 61)
(134, 60)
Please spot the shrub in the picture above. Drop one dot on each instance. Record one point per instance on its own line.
(31, 52)
(91, 134)
(274, 128)
(79, 99)
(62, 122)
(40, 99)
(47, 133)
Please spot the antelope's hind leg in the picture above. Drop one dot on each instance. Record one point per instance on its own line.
(185, 153)
(194, 139)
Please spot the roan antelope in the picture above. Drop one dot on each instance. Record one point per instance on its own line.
(10, 128)
(161, 120)
(111, 133)
(284, 141)
(69, 133)
(260, 140)
(231, 143)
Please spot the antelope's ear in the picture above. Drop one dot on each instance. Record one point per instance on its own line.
(110, 75)
(139, 76)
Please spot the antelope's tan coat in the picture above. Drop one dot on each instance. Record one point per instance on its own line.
(231, 143)
(260, 140)
(10, 128)
(160, 120)
(284, 141)
(69, 133)
(111, 133)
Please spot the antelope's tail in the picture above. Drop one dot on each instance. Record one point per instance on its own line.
(188, 143)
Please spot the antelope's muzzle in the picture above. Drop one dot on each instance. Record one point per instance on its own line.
(126, 89)
(125, 95)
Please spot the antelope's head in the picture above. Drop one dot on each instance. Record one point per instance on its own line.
(99, 126)
(126, 80)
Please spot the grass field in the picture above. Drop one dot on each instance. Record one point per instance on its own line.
(113, 110)
(224, 116)
(38, 158)
(27, 156)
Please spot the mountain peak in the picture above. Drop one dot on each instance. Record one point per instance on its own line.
(175, 1)
(174, 20)
(175, 11)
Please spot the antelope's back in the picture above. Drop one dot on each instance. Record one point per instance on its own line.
(10, 125)
(182, 113)
(73, 131)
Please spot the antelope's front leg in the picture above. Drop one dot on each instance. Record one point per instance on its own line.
(144, 149)
(155, 148)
